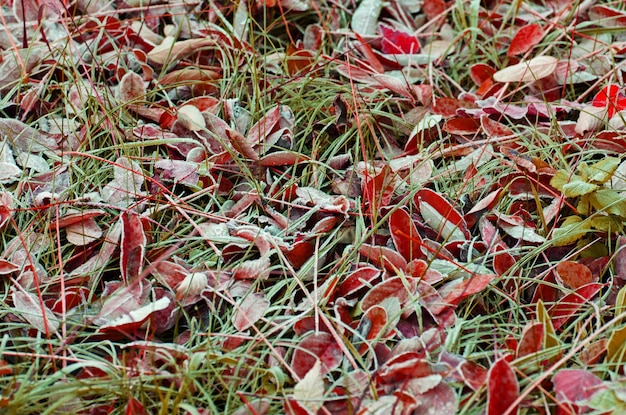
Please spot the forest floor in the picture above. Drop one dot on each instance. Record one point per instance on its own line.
(312, 207)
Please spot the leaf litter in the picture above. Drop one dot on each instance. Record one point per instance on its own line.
(333, 221)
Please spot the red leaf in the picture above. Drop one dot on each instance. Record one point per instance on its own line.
(525, 39)
(316, 346)
(299, 253)
(611, 98)
(358, 280)
(372, 323)
(441, 215)
(532, 339)
(282, 158)
(481, 73)
(447, 106)
(502, 388)
(569, 305)
(397, 42)
(404, 367)
(607, 16)
(455, 291)
(384, 256)
(132, 246)
(433, 8)
(495, 129)
(502, 260)
(576, 385)
(440, 400)
(573, 274)
(404, 235)
(134, 407)
(462, 126)
(388, 288)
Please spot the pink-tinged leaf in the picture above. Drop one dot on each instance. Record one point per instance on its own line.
(576, 385)
(397, 42)
(178, 171)
(607, 16)
(473, 374)
(591, 118)
(316, 346)
(574, 275)
(190, 289)
(447, 106)
(253, 269)
(31, 309)
(326, 202)
(527, 71)
(404, 367)
(495, 129)
(526, 38)
(132, 245)
(502, 389)
(531, 341)
(405, 236)
(134, 319)
(249, 311)
(393, 287)
(26, 138)
(132, 88)
(83, 233)
(6, 208)
(383, 256)
(440, 400)
(569, 305)
(254, 407)
(357, 280)
(241, 144)
(440, 215)
(282, 158)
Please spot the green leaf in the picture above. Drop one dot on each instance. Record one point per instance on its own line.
(572, 229)
(607, 400)
(609, 201)
(560, 179)
(578, 187)
(600, 172)
(610, 224)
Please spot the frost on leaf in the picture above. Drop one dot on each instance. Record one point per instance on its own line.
(29, 307)
(249, 311)
(126, 184)
(309, 392)
(527, 71)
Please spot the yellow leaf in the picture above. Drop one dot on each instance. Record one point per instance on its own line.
(572, 229)
(616, 347)
(550, 339)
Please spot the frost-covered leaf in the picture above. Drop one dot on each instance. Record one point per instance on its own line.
(83, 233)
(527, 71)
(250, 310)
(33, 310)
(365, 17)
(309, 392)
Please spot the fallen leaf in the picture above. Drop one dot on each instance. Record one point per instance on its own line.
(526, 38)
(309, 392)
(502, 389)
(249, 311)
(527, 71)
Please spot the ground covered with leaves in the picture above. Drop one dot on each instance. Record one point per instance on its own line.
(312, 207)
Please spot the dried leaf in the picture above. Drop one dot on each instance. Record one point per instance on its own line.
(527, 71)
(131, 88)
(83, 233)
(309, 392)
